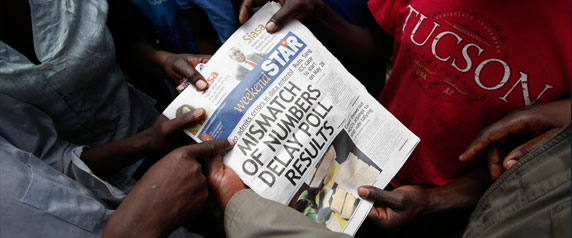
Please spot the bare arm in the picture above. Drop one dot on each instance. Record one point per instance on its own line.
(171, 191)
(506, 141)
(162, 137)
(357, 43)
(400, 206)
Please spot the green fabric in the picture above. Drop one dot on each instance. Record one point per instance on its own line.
(532, 199)
(249, 215)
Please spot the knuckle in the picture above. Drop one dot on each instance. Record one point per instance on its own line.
(195, 168)
(211, 147)
(401, 198)
(203, 194)
(163, 129)
(376, 195)
(178, 154)
(481, 133)
(178, 64)
(194, 74)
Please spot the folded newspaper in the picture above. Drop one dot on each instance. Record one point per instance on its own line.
(307, 133)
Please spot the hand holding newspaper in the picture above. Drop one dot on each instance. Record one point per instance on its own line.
(307, 133)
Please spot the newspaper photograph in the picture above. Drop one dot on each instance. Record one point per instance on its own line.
(307, 133)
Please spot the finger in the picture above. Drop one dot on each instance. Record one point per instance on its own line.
(245, 9)
(214, 164)
(375, 215)
(379, 196)
(380, 216)
(283, 15)
(196, 59)
(494, 159)
(184, 67)
(492, 134)
(208, 149)
(531, 145)
(206, 137)
(183, 121)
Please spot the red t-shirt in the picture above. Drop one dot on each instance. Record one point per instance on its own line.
(460, 65)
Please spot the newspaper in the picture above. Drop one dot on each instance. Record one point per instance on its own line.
(307, 133)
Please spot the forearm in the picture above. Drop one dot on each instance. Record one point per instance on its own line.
(461, 193)
(112, 157)
(131, 219)
(151, 58)
(357, 43)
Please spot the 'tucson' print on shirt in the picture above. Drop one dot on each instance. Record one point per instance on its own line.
(462, 65)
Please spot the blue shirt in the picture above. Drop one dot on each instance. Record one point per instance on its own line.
(174, 30)
(220, 13)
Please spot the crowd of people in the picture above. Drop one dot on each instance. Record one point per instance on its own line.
(85, 152)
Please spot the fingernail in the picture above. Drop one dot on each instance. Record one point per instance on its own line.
(198, 112)
(204, 137)
(231, 142)
(270, 26)
(510, 163)
(201, 85)
(363, 192)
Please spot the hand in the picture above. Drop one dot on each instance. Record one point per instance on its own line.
(394, 208)
(222, 180)
(298, 9)
(166, 135)
(180, 66)
(501, 143)
(172, 190)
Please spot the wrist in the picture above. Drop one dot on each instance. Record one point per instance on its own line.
(433, 203)
(159, 58)
(322, 12)
(124, 225)
(142, 143)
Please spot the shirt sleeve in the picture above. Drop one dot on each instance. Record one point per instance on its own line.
(29, 129)
(385, 13)
(184, 4)
(249, 215)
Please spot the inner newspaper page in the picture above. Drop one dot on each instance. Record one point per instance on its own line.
(307, 133)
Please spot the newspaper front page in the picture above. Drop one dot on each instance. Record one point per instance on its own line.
(307, 133)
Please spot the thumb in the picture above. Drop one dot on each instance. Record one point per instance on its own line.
(186, 68)
(245, 9)
(215, 162)
(379, 196)
(184, 120)
(283, 15)
(531, 145)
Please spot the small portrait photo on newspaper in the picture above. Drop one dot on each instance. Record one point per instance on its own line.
(330, 198)
(245, 62)
(187, 108)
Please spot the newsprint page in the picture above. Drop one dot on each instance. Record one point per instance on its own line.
(307, 133)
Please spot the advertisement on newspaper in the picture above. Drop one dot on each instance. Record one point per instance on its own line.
(307, 133)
